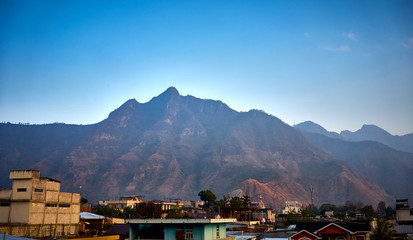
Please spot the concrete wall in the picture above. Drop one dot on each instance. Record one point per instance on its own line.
(40, 230)
(22, 189)
(5, 194)
(20, 212)
(24, 174)
(404, 214)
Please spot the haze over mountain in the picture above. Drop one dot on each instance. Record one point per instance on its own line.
(389, 168)
(366, 133)
(174, 146)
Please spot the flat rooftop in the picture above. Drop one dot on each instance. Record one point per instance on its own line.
(181, 221)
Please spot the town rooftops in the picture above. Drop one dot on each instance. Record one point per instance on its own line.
(181, 221)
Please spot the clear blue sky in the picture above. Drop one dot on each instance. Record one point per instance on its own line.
(338, 63)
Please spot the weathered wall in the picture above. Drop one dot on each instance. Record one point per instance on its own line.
(19, 212)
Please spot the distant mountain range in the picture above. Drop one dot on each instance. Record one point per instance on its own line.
(174, 146)
(368, 151)
(366, 133)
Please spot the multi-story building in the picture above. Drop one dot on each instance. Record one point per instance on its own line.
(122, 203)
(292, 206)
(36, 207)
(404, 213)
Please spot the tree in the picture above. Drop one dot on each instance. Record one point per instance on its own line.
(381, 209)
(223, 203)
(327, 207)
(382, 230)
(83, 200)
(390, 211)
(246, 200)
(148, 210)
(313, 209)
(175, 212)
(236, 202)
(368, 211)
(207, 196)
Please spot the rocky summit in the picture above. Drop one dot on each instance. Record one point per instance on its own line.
(174, 146)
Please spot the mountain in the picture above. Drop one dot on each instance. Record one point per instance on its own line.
(366, 133)
(389, 168)
(174, 146)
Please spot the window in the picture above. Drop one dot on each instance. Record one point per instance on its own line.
(5, 204)
(64, 205)
(217, 231)
(38, 190)
(51, 205)
(359, 237)
(188, 233)
(21, 189)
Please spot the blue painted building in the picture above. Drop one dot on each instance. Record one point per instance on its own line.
(177, 229)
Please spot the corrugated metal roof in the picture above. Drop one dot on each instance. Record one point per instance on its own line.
(404, 229)
(88, 215)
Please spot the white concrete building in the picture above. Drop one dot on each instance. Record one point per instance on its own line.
(35, 207)
(292, 206)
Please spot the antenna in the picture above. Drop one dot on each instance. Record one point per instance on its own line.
(311, 191)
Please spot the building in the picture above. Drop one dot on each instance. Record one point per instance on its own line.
(91, 221)
(404, 213)
(123, 202)
(35, 207)
(292, 206)
(177, 229)
(332, 230)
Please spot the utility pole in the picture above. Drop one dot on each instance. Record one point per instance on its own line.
(311, 191)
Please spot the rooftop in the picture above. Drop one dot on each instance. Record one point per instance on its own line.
(181, 221)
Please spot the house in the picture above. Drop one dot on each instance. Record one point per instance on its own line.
(175, 229)
(326, 230)
(36, 207)
(91, 221)
(404, 213)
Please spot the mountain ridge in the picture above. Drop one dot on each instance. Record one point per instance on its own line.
(174, 146)
(368, 132)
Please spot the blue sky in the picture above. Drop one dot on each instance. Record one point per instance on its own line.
(341, 64)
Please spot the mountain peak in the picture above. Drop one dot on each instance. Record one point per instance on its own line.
(171, 91)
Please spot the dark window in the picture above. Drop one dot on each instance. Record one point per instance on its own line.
(51, 205)
(359, 237)
(64, 205)
(5, 204)
(217, 231)
(21, 189)
(411, 212)
(38, 190)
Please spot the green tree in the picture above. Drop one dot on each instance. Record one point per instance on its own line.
(222, 203)
(83, 200)
(327, 207)
(236, 202)
(313, 209)
(208, 197)
(175, 212)
(246, 200)
(382, 231)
